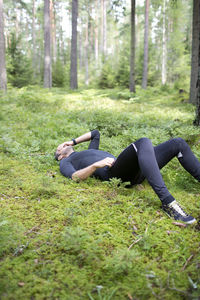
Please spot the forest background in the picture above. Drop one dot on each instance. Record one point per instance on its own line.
(129, 69)
(103, 42)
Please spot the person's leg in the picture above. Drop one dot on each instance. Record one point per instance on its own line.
(151, 170)
(151, 159)
(178, 147)
(126, 166)
(141, 157)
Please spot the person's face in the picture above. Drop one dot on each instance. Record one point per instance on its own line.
(63, 151)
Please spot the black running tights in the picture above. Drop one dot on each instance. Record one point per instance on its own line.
(141, 160)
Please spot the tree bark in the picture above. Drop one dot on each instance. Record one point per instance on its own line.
(96, 30)
(34, 59)
(132, 56)
(86, 51)
(103, 27)
(146, 36)
(3, 77)
(53, 26)
(197, 120)
(47, 46)
(164, 46)
(195, 50)
(73, 66)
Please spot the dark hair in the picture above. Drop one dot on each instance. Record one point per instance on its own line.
(56, 155)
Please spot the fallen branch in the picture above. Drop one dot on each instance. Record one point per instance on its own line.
(179, 224)
(134, 243)
(186, 263)
(34, 229)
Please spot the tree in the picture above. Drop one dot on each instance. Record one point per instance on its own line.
(34, 57)
(103, 27)
(197, 120)
(47, 46)
(3, 77)
(146, 35)
(164, 46)
(132, 56)
(73, 66)
(195, 49)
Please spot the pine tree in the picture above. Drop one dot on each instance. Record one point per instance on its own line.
(47, 46)
(195, 48)
(132, 56)
(3, 77)
(146, 36)
(73, 67)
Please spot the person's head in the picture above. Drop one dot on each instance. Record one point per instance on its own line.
(63, 151)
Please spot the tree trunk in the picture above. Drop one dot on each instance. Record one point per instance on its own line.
(73, 66)
(197, 120)
(3, 77)
(164, 46)
(96, 30)
(195, 49)
(34, 59)
(53, 26)
(86, 51)
(103, 27)
(132, 57)
(146, 30)
(47, 46)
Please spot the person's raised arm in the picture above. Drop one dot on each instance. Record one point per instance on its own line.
(83, 138)
(88, 171)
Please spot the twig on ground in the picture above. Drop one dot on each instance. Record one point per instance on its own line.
(179, 224)
(186, 263)
(35, 228)
(134, 243)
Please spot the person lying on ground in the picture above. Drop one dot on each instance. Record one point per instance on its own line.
(138, 161)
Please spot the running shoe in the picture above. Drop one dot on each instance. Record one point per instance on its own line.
(175, 211)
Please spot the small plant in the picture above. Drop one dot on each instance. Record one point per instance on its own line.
(100, 297)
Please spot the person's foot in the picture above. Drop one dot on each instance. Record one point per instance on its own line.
(175, 211)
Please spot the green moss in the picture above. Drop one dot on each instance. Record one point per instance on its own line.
(92, 240)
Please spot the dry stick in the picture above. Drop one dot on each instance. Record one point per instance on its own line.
(31, 230)
(142, 236)
(187, 261)
(134, 243)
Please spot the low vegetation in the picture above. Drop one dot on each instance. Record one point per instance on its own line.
(93, 240)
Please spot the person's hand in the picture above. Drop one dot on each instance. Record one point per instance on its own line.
(108, 161)
(69, 143)
(65, 144)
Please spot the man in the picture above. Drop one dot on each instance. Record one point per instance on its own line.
(138, 161)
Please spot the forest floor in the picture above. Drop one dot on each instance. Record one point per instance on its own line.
(93, 240)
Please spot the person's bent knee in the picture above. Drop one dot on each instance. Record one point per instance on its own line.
(144, 140)
(180, 141)
(143, 143)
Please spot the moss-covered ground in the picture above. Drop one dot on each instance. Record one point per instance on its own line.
(93, 240)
